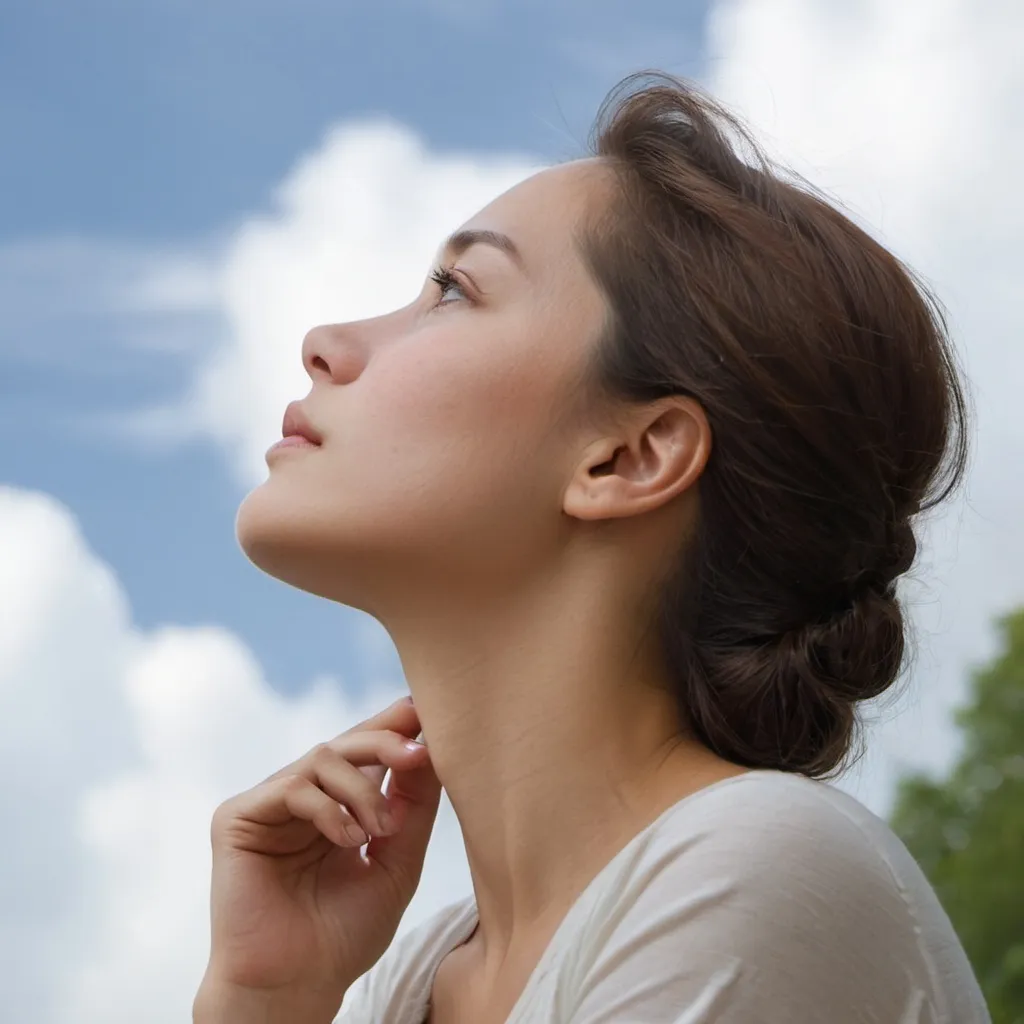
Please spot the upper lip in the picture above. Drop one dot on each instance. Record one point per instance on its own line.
(295, 422)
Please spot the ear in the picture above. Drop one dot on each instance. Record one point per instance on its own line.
(658, 454)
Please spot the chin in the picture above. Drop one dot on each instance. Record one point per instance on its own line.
(274, 536)
(285, 540)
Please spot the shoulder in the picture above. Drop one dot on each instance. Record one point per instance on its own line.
(806, 825)
(791, 846)
(763, 890)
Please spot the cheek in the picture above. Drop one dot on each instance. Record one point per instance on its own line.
(447, 399)
(457, 438)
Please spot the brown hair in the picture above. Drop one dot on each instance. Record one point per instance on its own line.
(831, 389)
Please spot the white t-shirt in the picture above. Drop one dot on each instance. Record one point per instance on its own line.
(766, 898)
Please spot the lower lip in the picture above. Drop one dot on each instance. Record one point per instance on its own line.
(292, 441)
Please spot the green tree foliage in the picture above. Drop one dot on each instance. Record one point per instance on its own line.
(967, 830)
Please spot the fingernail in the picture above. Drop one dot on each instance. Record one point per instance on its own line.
(387, 822)
(414, 746)
(356, 834)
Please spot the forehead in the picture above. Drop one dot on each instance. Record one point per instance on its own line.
(540, 213)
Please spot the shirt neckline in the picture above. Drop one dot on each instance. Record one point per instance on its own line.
(471, 917)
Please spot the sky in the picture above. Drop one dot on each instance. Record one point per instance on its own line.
(185, 189)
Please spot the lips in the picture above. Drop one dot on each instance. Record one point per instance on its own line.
(296, 425)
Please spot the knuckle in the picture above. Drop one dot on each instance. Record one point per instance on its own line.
(328, 753)
(225, 815)
(331, 750)
(291, 784)
(222, 814)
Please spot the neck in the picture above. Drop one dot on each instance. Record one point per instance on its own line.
(554, 735)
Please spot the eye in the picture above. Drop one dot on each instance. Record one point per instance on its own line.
(445, 280)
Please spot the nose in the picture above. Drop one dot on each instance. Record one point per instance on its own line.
(331, 353)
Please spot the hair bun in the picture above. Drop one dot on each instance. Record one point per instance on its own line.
(854, 655)
(789, 703)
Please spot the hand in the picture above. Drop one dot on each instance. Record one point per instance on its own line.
(295, 907)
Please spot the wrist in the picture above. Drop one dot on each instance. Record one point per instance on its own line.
(219, 1002)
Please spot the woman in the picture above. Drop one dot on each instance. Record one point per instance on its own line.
(629, 484)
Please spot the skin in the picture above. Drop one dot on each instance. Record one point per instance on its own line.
(508, 530)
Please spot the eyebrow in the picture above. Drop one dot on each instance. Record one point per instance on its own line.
(460, 241)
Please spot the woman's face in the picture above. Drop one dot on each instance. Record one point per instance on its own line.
(449, 428)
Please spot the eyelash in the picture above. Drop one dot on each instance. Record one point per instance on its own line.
(445, 279)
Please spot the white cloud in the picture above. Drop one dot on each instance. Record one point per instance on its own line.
(907, 112)
(117, 745)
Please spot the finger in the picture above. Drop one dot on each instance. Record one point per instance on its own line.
(292, 797)
(309, 803)
(378, 772)
(375, 773)
(414, 796)
(400, 716)
(347, 785)
(391, 751)
(333, 767)
(381, 750)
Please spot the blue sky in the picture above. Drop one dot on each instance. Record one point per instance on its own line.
(170, 118)
(187, 186)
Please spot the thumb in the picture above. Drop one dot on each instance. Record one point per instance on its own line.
(415, 795)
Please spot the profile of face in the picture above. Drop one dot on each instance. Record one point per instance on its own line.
(450, 428)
